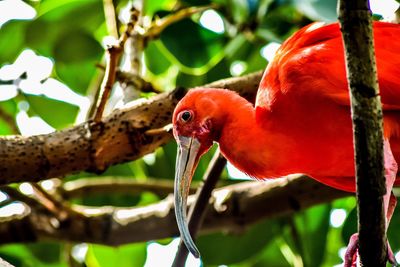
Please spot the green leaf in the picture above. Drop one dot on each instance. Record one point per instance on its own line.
(11, 40)
(319, 10)
(128, 255)
(164, 166)
(222, 248)
(40, 35)
(76, 75)
(271, 256)
(312, 228)
(255, 61)
(280, 22)
(75, 12)
(155, 59)
(239, 10)
(349, 226)
(197, 2)
(9, 107)
(58, 20)
(189, 81)
(56, 113)
(17, 255)
(393, 232)
(122, 169)
(218, 72)
(192, 45)
(151, 7)
(32, 255)
(76, 46)
(46, 252)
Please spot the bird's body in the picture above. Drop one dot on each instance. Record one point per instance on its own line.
(301, 122)
(302, 117)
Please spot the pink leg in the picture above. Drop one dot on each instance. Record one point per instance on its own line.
(389, 202)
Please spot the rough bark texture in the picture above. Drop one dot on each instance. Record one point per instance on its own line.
(356, 23)
(92, 146)
(231, 208)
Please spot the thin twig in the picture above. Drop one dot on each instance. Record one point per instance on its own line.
(166, 129)
(136, 80)
(14, 194)
(198, 210)
(56, 207)
(113, 55)
(158, 25)
(111, 18)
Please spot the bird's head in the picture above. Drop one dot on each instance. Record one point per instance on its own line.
(198, 120)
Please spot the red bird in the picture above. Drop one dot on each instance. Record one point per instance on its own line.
(301, 122)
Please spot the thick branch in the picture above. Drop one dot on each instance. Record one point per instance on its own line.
(93, 147)
(231, 208)
(356, 23)
(112, 185)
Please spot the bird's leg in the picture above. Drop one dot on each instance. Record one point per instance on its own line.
(389, 200)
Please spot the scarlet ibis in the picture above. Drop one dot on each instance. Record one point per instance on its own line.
(301, 122)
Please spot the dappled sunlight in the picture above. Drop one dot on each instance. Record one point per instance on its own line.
(337, 218)
(15, 9)
(15, 208)
(163, 255)
(211, 20)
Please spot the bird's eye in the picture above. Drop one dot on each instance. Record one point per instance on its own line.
(186, 116)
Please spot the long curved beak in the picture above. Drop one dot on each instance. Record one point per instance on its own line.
(188, 148)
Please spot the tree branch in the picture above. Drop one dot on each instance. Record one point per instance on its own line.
(231, 208)
(158, 25)
(113, 55)
(110, 18)
(356, 22)
(112, 185)
(92, 146)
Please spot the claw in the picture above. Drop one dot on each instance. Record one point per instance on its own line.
(391, 257)
(350, 258)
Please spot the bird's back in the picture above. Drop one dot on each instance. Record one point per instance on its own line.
(304, 96)
(313, 59)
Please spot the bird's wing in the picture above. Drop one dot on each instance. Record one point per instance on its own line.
(312, 61)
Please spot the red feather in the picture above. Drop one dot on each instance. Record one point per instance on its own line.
(307, 79)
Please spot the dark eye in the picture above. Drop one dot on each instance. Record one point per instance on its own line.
(186, 116)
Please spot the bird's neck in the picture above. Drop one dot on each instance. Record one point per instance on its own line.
(242, 138)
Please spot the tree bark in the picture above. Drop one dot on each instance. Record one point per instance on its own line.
(231, 208)
(356, 23)
(92, 146)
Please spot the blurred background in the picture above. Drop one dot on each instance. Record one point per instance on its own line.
(52, 59)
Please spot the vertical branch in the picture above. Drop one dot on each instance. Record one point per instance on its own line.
(197, 211)
(134, 54)
(366, 108)
(113, 55)
(111, 18)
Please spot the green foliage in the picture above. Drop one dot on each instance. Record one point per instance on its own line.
(128, 255)
(70, 32)
(62, 115)
(33, 255)
(229, 248)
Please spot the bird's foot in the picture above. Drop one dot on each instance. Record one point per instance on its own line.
(350, 258)
(390, 256)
